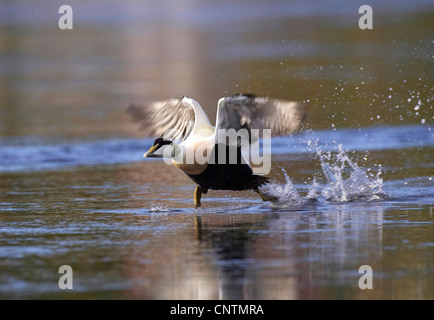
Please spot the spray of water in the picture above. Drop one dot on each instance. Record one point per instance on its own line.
(156, 208)
(343, 181)
(286, 195)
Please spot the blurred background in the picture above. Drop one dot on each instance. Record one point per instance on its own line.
(75, 190)
(77, 83)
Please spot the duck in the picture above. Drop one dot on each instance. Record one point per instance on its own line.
(211, 157)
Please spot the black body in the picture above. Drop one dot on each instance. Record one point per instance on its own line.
(226, 176)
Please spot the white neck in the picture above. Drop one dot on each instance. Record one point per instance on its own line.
(202, 125)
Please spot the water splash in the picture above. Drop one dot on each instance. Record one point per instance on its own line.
(159, 209)
(286, 195)
(345, 180)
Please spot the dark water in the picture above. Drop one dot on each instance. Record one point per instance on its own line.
(355, 186)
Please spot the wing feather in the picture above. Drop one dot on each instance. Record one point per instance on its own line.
(172, 119)
(251, 112)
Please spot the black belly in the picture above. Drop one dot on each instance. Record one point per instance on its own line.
(228, 176)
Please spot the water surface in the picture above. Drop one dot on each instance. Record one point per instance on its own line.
(355, 185)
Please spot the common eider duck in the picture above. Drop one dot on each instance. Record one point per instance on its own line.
(184, 129)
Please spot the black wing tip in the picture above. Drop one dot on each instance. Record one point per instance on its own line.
(305, 113)
(247, 95)
(135, 112)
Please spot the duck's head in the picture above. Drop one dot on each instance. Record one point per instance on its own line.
(162, 148)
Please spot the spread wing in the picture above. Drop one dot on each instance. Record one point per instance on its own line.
(172, 119)
(251, 112)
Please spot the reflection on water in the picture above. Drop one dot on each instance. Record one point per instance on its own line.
(74, 189)
(129, 234)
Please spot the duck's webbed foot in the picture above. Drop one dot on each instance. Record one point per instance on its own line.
(198, 195)
(264, 196)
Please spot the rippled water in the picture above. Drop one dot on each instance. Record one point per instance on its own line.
(129, 229)
(355, 186)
